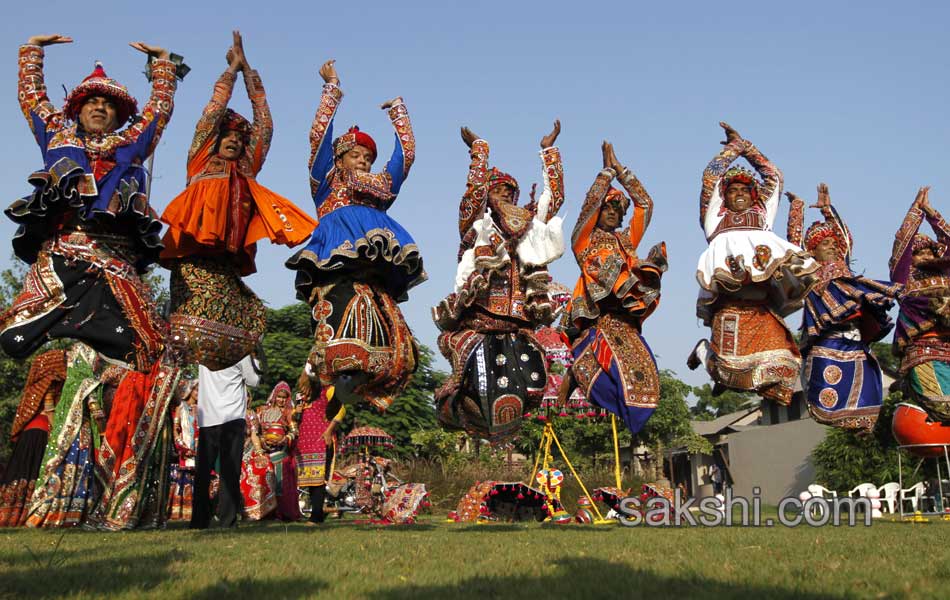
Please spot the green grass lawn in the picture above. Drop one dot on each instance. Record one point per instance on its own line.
(440, 560)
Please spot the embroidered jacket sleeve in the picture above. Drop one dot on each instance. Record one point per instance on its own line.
(834, 219)
(404, 152)
(902, 252)
(321, 142)
(710, 198)
(210, 121)
(590, 211)
(553, 184)
(262, 129)
(143, 134)
(772, 181)
(475, 198)
(642, 209)
(42, 117)
(940, 228)
(796, 222)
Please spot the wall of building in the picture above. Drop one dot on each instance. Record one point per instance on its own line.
(775, 458)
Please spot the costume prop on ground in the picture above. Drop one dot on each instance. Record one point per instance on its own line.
(369, 485)
(359, 262)
(844, 314)
(501, 296)
(749, 277)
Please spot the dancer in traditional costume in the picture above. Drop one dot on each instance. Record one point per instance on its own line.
(182, 472)
(30, 433)
(750, 278)
(214, 225)
(279, 432)
(501, 296)
(844, 314)
(87, 230)
(360, 262)
(63, 493)
(615, 293)
(922, 336)
(320, 416)
(257, 475)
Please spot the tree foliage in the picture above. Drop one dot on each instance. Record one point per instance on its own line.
(710, 406)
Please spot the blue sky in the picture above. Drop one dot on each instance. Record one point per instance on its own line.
(853, 97)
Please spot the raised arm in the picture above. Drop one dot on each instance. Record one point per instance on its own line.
(42, 117)
(404, 152)
(771, 177)
(553, 194)
(903, 250)
(208, 125)
(940, 227)
(834, 219)
(796, 220)
(553, 174)
(642, 209)
(321, 138)
(590, 210)
(262, 129)
(473, 203)
(710, 198)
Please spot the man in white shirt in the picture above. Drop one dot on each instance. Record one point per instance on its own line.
(222, 402)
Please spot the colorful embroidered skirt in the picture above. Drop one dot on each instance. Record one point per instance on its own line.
(258, 486)
(843, 384)
(285, 476)
(84, 287)
(738, 258)
(753, 351)
(496, 378)
(616, 370)
(62, 496)
(929, 385)
(311, 455)
(132, 459)
(216, 319)
(181, 486)
(362, 344)
(19, 479)
(356, 240)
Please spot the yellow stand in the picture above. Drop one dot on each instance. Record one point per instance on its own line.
(547, 438)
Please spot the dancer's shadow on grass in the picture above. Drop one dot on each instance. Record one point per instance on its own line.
(57, 573)
(54, 574)
(576, 577)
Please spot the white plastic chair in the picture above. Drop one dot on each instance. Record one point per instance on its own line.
(821, 492)
(888, 493)
(914, 494)
(862, 490)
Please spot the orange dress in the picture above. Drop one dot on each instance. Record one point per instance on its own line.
(199, 217)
